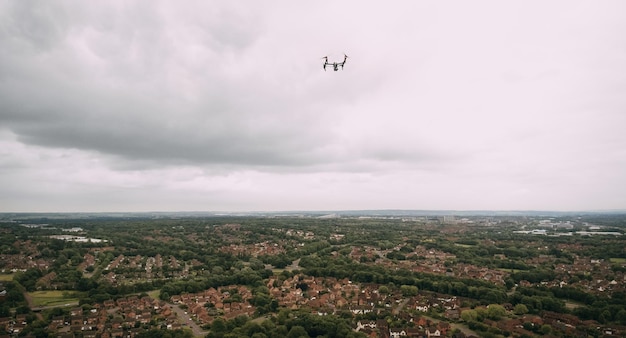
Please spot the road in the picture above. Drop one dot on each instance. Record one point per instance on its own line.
(295, 265)
(400, 306)
(186, 319)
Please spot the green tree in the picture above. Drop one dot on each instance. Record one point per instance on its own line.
(251, 328)
(409, 290)
(520, 309)
(5, 311)
(545, 329)
(495, 311)
(22, 309)
(469, 315)
(620, 316)
(297, 332)
(605, 316)
(218, 326)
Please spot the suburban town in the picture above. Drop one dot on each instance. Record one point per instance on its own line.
(332, 276)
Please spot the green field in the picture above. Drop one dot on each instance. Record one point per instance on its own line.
(509, 270)
(617, 260)
(573, 305)
(5, 277)
(52, 298)
(154, 294)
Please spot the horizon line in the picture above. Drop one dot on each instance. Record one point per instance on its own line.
(326, 211)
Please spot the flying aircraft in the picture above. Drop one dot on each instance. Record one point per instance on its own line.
(335, 64)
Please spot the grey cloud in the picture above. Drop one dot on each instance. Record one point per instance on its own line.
(185, 96)
(39, 25)
(126, 102)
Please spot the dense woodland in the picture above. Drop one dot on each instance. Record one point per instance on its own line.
(504, 276)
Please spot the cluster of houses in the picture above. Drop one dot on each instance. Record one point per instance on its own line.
(422, 327)
(88, 260)
(325, 296)
(430, 261)
(125, 317)
(602, 277)
(434, 261)
(148, 263)
(471, 271)
(27, 258)
(205, 306)
(140, 267)
(13, 325)
(254, 250)
(307, 235)
(328, 295)
(18, 262)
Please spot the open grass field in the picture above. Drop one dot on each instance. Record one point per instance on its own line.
(154, 294)
(617, 260)
(509, 270)
(573, 305)
(5, 277)
(51, 298)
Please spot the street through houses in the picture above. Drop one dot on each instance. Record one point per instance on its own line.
(186, 320)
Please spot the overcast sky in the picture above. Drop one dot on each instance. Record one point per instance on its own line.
(225, 106)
